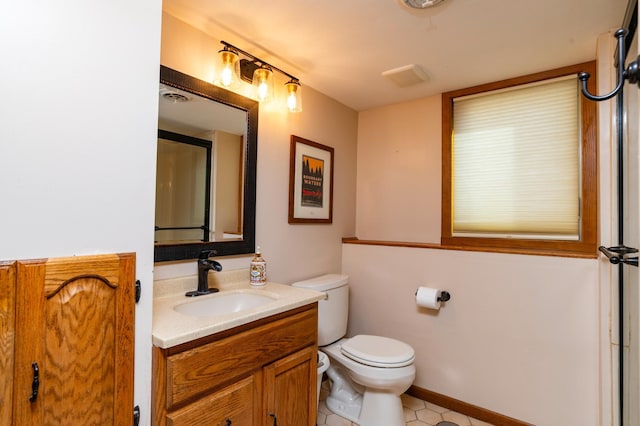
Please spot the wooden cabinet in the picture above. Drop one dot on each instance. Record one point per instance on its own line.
(286, 381)
(236, 404)
(255, 374)
(7, 338)
(72, 340)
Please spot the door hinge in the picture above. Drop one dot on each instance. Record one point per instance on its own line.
(136, 415)
(138, 290)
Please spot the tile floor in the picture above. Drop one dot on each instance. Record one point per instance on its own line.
(416, 413)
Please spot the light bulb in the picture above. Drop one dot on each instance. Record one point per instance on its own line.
(227, 76)
(263, 90)
(293, 96)
(228, 63)
(263, 80)
(291, 101)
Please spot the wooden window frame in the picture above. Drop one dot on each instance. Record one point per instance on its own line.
(586, 246)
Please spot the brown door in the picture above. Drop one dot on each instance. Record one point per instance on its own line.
(290, 390)
(75, 331)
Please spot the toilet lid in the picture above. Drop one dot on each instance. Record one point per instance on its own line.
(378, 351)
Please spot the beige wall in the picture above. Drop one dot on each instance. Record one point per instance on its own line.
(525, 336)
(227, 183)
(399, 168)
(546, 308)
(293, 252)
(519, 335)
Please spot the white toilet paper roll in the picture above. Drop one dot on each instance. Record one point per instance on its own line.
(428, 297)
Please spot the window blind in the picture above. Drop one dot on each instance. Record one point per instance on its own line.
(516, 162)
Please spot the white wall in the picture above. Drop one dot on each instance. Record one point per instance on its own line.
(78, 136)
(292, 252)
(525, 336)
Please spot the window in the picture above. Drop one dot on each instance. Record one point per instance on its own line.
(519, 165)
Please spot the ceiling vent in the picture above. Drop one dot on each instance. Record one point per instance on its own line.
(173, 96)
(420, 4)
(407, 75)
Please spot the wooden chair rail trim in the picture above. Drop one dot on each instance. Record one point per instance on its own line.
(436, 246)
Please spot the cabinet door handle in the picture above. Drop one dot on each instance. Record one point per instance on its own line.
(275, 420)
(227, 422)
(35, 384)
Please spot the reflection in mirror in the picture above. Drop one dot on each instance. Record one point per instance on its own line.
(206, 168)
(183, 180)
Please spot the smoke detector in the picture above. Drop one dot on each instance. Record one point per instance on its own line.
(420, 4)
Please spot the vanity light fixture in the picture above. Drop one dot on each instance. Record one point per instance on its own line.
(228, 66)
(231, 69)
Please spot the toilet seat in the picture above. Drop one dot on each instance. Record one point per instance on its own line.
(378, 351)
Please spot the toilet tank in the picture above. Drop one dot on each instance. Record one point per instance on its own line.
(333, 310)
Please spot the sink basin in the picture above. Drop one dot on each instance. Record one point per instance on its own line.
(224, 303)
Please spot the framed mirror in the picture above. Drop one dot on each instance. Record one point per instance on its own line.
(206, 169)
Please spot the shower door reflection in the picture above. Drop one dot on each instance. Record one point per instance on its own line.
(183, 179)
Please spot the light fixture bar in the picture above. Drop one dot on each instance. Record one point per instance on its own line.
(255, 58)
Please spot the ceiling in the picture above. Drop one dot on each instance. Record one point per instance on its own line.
(341, 47)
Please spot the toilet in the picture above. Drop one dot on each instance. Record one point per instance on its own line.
(367, 373)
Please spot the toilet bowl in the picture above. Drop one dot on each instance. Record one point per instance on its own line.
(323, 366)
(367, 373)
(369, 395)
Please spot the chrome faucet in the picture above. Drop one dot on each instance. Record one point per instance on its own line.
(204, 266)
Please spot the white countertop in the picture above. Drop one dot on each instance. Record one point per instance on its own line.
(171, 328)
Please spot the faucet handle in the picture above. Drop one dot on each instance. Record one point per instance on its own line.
(205, 254)
(216, 266)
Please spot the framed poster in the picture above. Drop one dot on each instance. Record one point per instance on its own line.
(310, 182)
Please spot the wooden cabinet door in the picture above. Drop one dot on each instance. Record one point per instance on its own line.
(235, 405)
(75, 319)
(7, 337)
(290, 390)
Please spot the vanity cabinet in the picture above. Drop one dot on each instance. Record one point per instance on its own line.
(67, 340)
(262, 373)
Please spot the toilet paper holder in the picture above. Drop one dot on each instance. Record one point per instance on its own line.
(442, 297)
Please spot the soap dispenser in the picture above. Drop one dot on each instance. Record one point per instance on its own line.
(258, 269)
